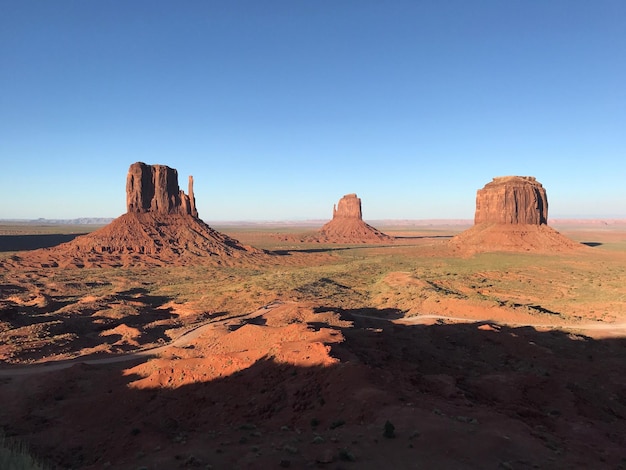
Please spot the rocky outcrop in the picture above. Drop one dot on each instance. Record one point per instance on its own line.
(347, 225)
(154, 238)
(154, 188)
(348, 207)
(511, 215)
(512, 200)
(161, 227)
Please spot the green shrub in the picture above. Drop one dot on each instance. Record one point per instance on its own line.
(15, 456)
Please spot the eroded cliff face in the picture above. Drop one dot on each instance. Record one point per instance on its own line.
(348, 207)
(154, 188)
(512, 215)
(161, 226)
(347, 225)
(512, 200)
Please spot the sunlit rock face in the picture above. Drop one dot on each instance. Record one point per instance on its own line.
(347, 225)
(514, 200)
(154, 188)
(348, 207)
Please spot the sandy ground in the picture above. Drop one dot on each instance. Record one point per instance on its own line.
(117, 376)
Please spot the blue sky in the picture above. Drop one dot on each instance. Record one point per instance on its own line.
(278, 108)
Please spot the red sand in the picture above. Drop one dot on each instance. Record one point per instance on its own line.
(304, 386)
(512, 237)
(151, 239)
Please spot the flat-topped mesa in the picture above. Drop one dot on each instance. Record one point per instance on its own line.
(154, 188)
(348, 207)
(511, 215)
(512, 200)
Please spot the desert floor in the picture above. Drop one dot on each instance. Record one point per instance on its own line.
(402, 355)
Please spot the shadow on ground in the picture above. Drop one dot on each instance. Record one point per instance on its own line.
(309, 250)
(64, 325)
(424, 237)
(592, 244)
(455, 396)
(34, 242)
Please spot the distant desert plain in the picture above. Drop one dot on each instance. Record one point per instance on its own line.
(283, 348)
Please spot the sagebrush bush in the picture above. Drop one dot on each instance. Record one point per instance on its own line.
(15, 456)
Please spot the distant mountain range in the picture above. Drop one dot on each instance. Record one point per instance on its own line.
(79, 221)
(311, 223)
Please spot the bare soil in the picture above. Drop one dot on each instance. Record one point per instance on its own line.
(512, 238)
(348, 231)
(404, 355)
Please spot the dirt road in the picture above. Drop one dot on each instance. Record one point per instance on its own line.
(419, 319)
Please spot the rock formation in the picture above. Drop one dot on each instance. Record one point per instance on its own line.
(160, 227)
(348, 207)
(347, 225)
(154, 188)
(512, 200)
(512, 215)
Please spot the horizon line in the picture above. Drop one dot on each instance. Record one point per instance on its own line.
(451, 220)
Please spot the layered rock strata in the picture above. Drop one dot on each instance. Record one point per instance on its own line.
(348, 207)
(160, 227)
(512, 215)
(512, 200)
(154, 188)
(347, 225)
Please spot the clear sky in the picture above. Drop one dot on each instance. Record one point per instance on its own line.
(279, 108)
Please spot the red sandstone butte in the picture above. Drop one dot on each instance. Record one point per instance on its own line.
(347, 225)
(511, 215)
(160, 227)
(512, 200)
(348, 207)
(154, 188)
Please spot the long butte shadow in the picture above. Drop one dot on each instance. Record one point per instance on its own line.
(592, 244)
(33, 242)
(421, 237)
(310, 250)
(457, 395)
(350, 313)
(329, 249)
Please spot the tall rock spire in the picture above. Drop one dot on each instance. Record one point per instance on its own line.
(192, 198)
(161, 226)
